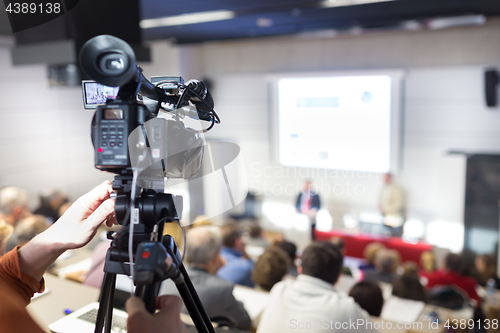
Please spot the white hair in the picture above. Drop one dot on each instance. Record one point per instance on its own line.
(202, 244)
(12, 197)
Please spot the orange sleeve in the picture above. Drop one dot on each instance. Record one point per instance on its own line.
(16, 290)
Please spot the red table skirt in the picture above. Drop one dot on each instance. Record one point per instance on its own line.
(355, 244)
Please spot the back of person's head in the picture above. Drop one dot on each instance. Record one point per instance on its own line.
(290, 249)
(369, 297)
(486, 268)
(338, 242)
(29, 227)
(12, 197)
(202, 244)
(408, 286)
(455, 263)
(201, 220)
(322, 260)
(270, 267)
(6, 231)
(231, 232)
(409, 267)
(255, 231)
(428, 261)
(370, 251)
(52, 198)
(387, 261)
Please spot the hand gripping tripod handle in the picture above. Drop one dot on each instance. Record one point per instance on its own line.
(151, 267)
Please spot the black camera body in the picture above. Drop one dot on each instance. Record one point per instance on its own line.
(111, 127)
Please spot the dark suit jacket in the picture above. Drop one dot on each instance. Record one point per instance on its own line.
(315, 202)
(215, 294)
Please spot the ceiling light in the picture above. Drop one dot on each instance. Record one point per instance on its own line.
(341, 3)
(457, 21)
(191, 18)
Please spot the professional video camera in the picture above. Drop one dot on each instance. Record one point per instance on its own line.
(142, 147)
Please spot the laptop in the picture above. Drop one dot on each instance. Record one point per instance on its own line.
(83, 321)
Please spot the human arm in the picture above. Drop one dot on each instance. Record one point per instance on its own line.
(74, 229)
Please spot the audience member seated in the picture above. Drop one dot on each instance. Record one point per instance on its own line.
(339, 243)
(201, 220)
(408, 267)
(369, 253)
(270, 268)
(239, 266)
(452, 274)
(13, 205)
(369, 297)
(26, 230)
(408, 286)
(6, 231)
(50, 202)
(203, 261)
(291, 251)
(428, 264)
(486, 269)
(22, 270)
(309, 300)
(256, 236)
(386, 263)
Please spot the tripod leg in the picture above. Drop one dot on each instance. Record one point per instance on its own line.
(107, 288)
(109, 308)
(149, 296)
(194, 311)
(195, 299)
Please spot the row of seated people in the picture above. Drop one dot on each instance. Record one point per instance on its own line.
(383, 265)
(216, 260)
(17, 224)
(274, 265)
(231, 263)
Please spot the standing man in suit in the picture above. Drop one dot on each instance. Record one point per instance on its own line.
(308, 203)
(391, 205)
(203, 247)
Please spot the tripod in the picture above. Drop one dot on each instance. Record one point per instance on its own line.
(158, 207)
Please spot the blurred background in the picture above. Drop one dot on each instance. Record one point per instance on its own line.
(435, 133)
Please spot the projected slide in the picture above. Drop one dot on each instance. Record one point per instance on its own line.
(335, 122)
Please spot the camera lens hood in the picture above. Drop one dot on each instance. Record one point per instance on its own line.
(108, 60)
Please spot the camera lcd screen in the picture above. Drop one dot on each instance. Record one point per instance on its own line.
(95, 94)
(113, 114)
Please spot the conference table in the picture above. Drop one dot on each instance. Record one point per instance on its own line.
(355, 244)
(62, 295)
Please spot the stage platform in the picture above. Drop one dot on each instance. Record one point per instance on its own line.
(355, 244)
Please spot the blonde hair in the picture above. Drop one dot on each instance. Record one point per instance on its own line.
(6, 231)
(201, 220)
(370, 251)
(12, 197)
(428, 261)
